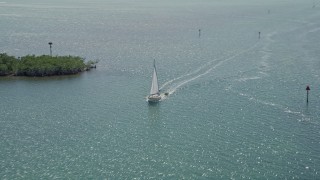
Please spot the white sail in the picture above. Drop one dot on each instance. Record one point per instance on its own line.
(154, 86)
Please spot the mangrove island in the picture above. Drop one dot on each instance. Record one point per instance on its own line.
(44, 65)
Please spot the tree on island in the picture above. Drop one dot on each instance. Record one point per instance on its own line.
(43, 65)
(7, 64)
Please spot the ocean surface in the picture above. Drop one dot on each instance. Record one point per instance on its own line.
(236, 107)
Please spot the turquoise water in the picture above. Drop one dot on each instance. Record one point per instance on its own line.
(237, 105)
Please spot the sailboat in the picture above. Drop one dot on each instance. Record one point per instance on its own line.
(154, 95)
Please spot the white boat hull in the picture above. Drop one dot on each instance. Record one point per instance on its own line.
(154, 98)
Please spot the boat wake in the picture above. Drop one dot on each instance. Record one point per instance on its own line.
(301, 116)
(173, 85)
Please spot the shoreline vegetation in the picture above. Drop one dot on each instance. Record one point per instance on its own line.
(44, 65)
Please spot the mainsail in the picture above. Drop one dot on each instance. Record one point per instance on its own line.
(154, 86)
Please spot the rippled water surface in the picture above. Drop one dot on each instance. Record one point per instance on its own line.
(236, 107)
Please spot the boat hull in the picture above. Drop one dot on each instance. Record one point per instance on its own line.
(154, 98)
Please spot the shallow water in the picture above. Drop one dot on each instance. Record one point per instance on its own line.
(237, 104)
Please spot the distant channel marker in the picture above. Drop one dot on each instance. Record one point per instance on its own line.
(50, 45)
(308, 89)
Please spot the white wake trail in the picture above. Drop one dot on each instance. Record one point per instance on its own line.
(195, 74)
(188, 74)
(191, 73)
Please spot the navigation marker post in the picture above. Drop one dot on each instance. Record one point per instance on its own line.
(259, 34)
(50, 44)
(308, 89)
